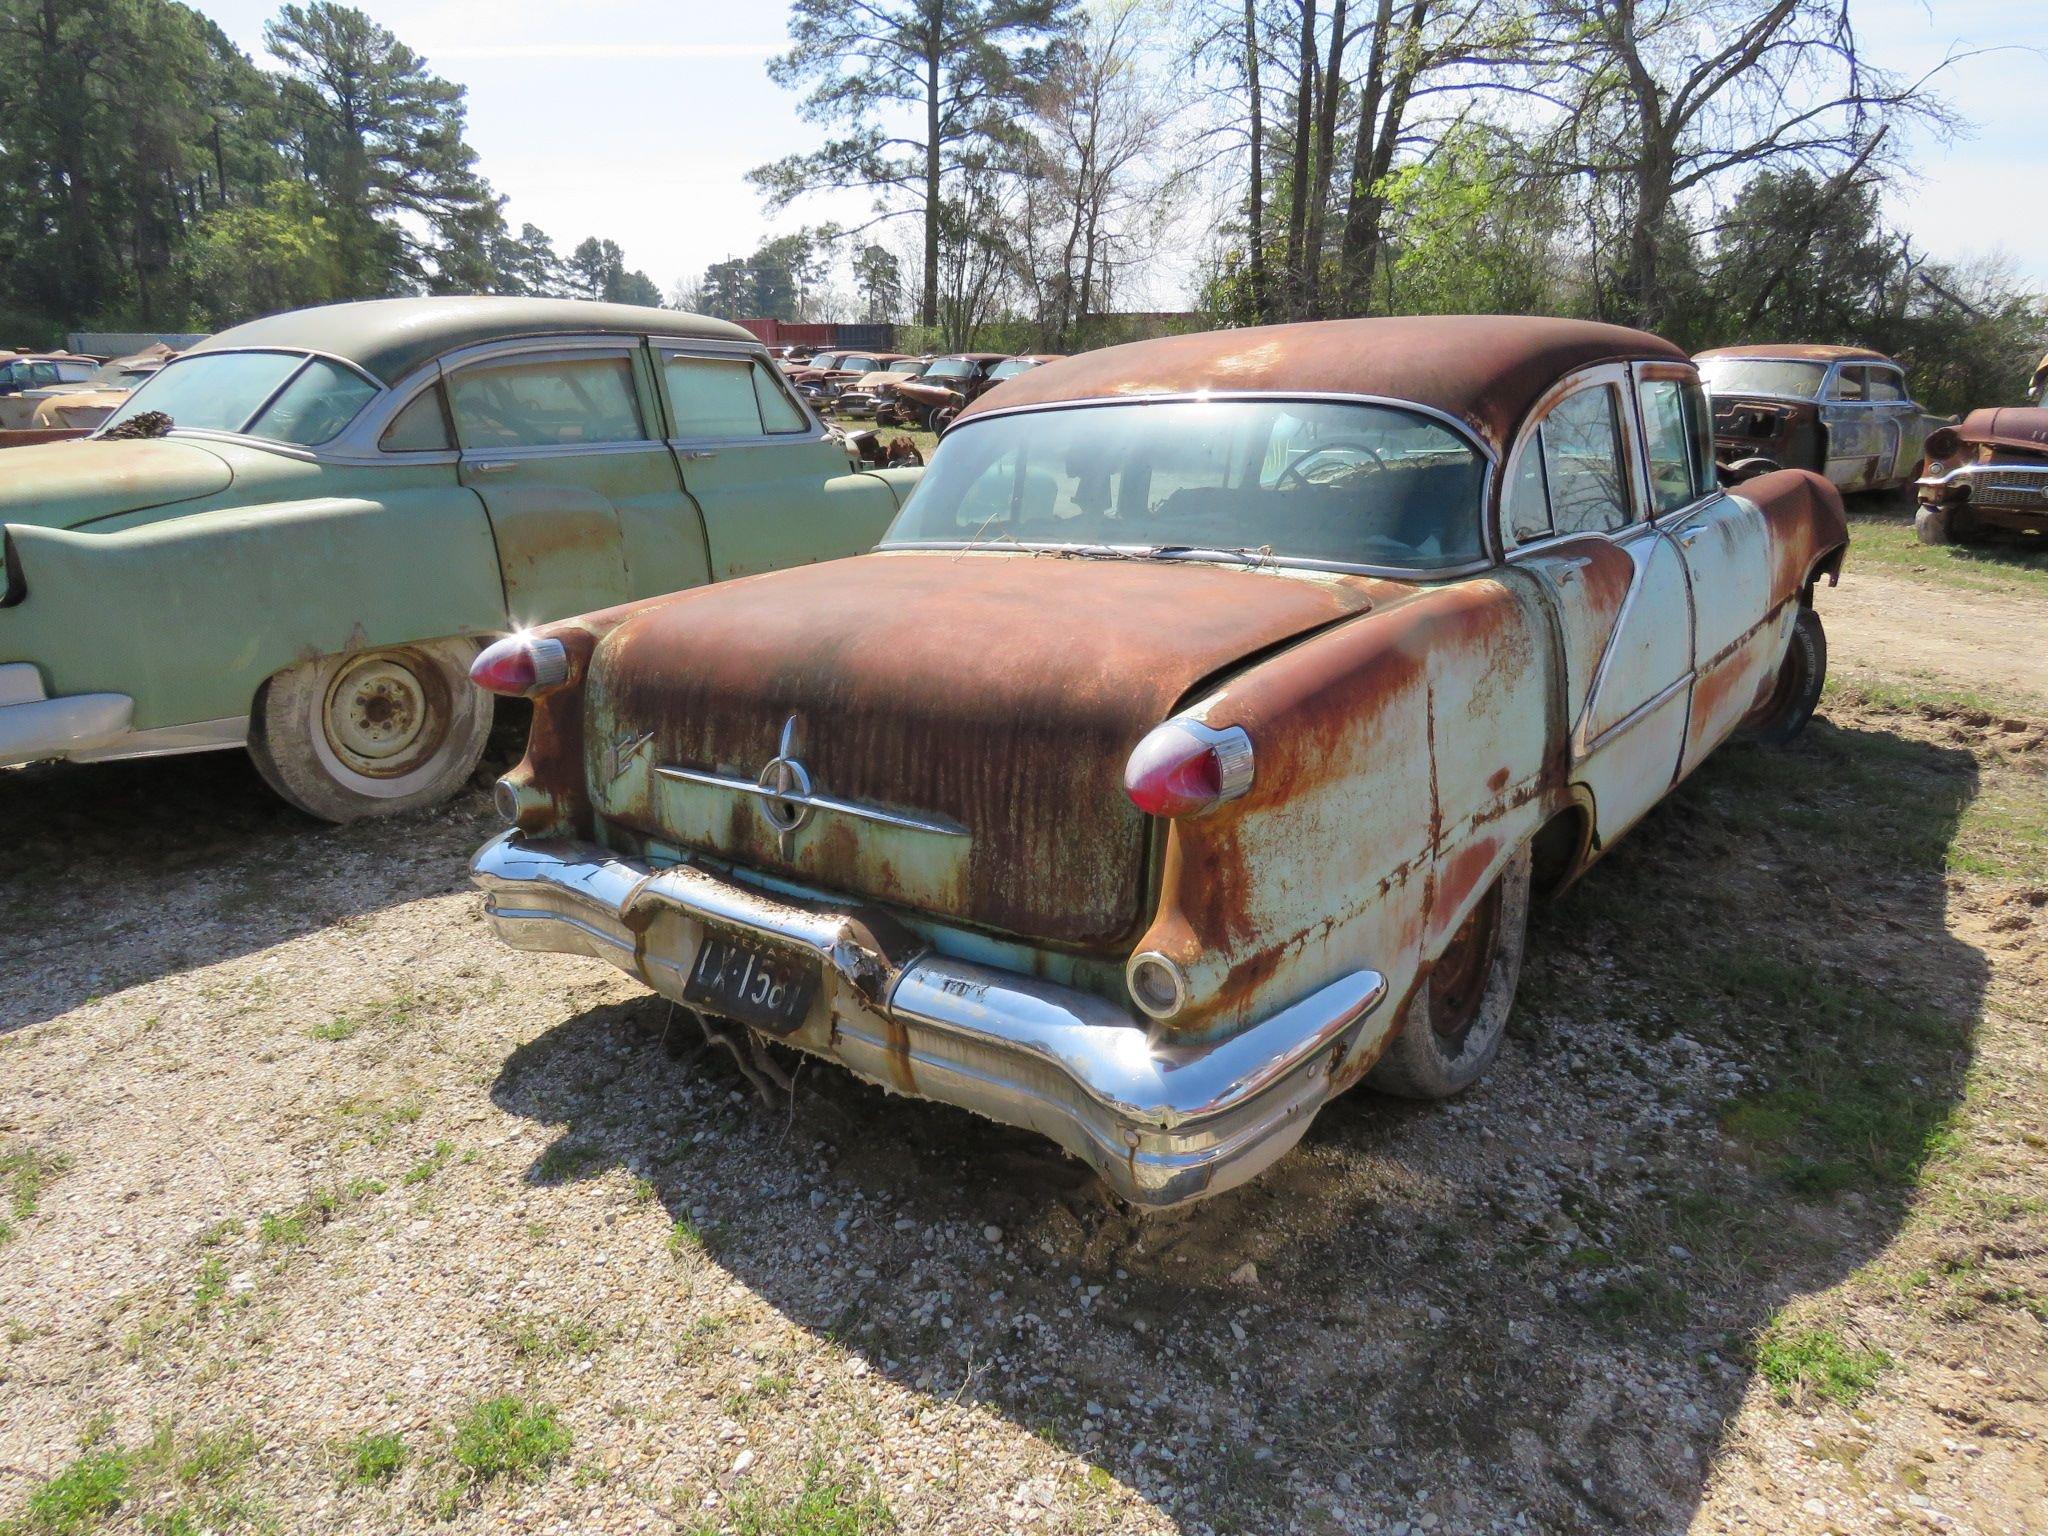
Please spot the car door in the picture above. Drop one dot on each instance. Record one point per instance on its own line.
(1574, 517)
(1901, 427)
(559, 441)
(772, 486)
(1855, 444)
(1725, 545)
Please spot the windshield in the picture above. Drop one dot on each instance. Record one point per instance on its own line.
(1349, 484)
(951, 368)
(1762, 376)
(1011, 368)
(223, 391)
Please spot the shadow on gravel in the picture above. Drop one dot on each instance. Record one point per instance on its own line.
(1738, 1042)
(117, 873)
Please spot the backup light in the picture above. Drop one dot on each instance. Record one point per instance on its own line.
(521, 666)
(1183, 768)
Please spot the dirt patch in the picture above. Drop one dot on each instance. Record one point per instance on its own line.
(1949, 638)
(1745, 1230)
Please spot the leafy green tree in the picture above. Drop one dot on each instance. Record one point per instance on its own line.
(597, 270)
(727, 291)
(878, 280)
(959, 71)
(381, 137)
(249, 260)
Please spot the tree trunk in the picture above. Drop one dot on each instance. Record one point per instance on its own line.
(933, 208)
(1298, 195)
(1256, 275)
(1360, 250)
(1324, 167)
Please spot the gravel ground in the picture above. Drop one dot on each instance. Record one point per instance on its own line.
(1744, 1232)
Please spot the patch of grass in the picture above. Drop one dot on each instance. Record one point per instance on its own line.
(215, 1456)
(563, 1160)
(686, 1237)
(340, 1027)
(543, 1339)
(24, 1173)
(504, 1437)
(284, 1229)
(1802, 1362)
(822, 1505)
(371, 1459)
(212, 1285)
(2011, 567)
(435, 1161)
(76, 1499)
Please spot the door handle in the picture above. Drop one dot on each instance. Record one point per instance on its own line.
(495, 467)
(1690, 537)
(692, 455)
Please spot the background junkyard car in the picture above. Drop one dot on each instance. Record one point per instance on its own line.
(1841, 411)
(32, 371)
(1989, 471)
(352, 495)
(1360, 632)
(824, 385)
(81, 407)
(943, 390)
(866, 395)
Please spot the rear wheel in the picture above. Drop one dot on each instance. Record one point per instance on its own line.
(1796, 694)
(1459, 1011)
(373, 733)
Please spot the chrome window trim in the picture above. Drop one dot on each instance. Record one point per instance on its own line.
(1462, 429)
(1620, 378)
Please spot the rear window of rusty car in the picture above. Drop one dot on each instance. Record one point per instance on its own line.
(1378, 486)
(1762, 376)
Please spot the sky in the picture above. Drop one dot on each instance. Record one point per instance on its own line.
(637, 120)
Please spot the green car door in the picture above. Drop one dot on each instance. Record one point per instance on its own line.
(560, 440)
(773, 487)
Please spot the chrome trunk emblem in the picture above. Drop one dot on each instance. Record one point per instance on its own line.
(625, 747)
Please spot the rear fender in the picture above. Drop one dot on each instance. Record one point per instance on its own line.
(1401, 758)
(189, 615)
(1808, 530)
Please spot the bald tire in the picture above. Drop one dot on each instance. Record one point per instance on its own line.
(1435, 1056)
(373, 733)
(1796, 695)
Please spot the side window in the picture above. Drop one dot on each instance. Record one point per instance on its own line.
(41, 375)
(552, 402)
(1699, 416)
(728, 397)
(1848, 384)
(421, 427)
(1528, 509)
(1668, 435)
(779, 413)
(1887, 384)
(1584, 463)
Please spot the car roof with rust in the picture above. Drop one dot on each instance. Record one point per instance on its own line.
(1484, 370)
(1798, 352)
(388, 338)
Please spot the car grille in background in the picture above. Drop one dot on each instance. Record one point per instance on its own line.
(2011, 488)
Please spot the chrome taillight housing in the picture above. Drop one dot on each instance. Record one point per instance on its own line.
(1183, 768)
(521, 666)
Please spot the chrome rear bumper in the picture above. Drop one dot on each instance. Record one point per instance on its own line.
(1161, 1123)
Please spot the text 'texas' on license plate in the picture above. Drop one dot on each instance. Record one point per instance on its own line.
(765, 987)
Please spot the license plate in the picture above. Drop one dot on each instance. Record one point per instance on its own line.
(768, 988)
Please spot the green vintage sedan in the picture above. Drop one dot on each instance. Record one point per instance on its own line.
(349, 501)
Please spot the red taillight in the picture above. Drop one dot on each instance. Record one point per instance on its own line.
(520, 666)
(1183, 768)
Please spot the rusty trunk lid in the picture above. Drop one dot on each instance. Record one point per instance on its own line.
(983, 703)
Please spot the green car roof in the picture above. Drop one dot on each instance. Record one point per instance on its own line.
(388, 338)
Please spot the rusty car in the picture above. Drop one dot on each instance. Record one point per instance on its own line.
(1843, 412)
(81, 407)
(943, 390)
(23, 373)
(868, 394)
(352, 499)
(1190, 747)
(1988, 472)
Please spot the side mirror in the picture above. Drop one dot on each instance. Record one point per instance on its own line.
(1743, 470)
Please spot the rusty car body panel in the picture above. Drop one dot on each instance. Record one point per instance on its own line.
(904, 768)
(1988, 471)
(1841, 411)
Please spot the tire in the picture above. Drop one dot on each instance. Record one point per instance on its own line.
(1797, 693)
(1458, 1013)
(373, 733)
(1932, 525)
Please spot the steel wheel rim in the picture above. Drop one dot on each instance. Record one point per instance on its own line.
(1459, 981)
(381, 718)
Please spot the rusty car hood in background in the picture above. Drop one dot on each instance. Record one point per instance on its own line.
(995, 694)
(67, 485)
(2021, 428)
(1484, 370)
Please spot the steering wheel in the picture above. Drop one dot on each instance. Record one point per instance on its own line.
(1298, 470)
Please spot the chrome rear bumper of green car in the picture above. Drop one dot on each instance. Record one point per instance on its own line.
(1162, 1123)
(34, 726)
